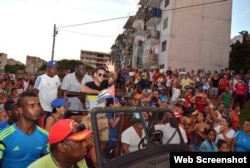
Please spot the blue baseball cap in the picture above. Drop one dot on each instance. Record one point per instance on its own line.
(58, 102)
(52, 64)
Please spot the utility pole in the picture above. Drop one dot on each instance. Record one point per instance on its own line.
(54, 39)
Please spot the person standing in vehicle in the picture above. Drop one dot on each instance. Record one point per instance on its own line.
(23, 142)
(95, 87)
(100, 82)
(73, 82)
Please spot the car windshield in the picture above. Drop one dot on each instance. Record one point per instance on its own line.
(132, 131)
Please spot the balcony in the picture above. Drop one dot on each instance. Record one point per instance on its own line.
(154, 17)
(151, 3)
(141, 14)
(150, 59)
(153, 34)
(130, 40)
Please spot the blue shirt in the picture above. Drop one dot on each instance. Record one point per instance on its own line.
(207, 147)
(18, 149)
(3, 124)
(242, 143)
(113, 132)
(163, 98)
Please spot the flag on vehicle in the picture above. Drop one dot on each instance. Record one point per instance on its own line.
(107, 93)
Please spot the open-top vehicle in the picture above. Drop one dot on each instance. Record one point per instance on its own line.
(162, 136)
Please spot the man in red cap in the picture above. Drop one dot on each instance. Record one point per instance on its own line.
(69, 143)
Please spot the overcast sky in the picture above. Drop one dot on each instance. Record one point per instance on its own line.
(26, 26)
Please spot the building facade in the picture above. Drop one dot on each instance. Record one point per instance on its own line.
(32, 65)
(181, 33)
(3, 62)
(93, 58)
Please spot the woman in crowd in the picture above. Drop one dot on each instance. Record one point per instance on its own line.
(198, 131)
(241, 141)
(233, 114)
(224, 130)
(59, 108)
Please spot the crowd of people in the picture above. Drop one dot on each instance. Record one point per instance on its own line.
(207, 104)
(38, 128)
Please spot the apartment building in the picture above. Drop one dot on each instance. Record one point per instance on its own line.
(3, 62)
(178, 33)
(33, 64)
(93, 58)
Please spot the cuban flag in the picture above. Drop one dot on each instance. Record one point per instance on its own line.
(99, 100)
(107, 93)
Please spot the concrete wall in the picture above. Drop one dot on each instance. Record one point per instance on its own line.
(197, 37)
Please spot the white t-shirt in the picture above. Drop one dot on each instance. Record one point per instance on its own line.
(168, 131)
(151, 76)
(230, 134)
(71, 84)
(176, 94)
(168, 82)
(129, 136)
(48, 88)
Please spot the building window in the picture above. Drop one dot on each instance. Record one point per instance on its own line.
(161, 66)
(164, 46)
(166, 3)
(165, 23)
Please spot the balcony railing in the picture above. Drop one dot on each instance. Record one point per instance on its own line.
(154, 17)
(151, 58)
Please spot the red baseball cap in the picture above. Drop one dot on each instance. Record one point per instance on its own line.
(67, 129)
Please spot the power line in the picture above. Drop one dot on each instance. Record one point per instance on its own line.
(97, 35)
(99, 21)
(94, 22)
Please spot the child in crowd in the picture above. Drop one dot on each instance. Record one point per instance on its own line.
(208, 145)
(222, 146)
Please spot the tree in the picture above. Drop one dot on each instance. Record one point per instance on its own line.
(65, 65)
(240, 53)
(14, 68)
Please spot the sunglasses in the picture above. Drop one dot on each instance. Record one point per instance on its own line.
(102, 75)
(78, 128)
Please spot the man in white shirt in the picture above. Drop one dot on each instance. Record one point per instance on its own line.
(46, 85)
(73, 82)
(132, 136)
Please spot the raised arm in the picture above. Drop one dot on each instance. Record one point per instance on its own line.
(110, 67)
